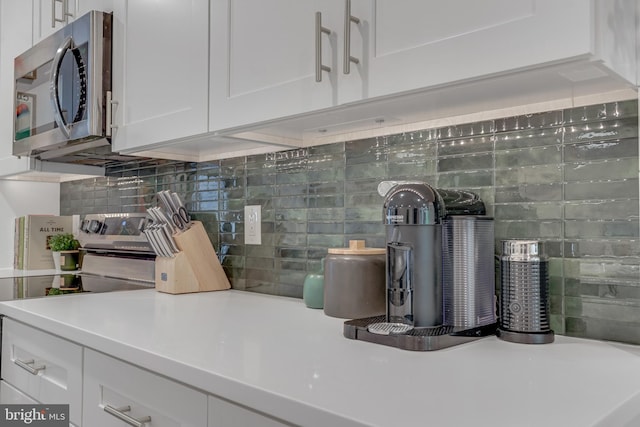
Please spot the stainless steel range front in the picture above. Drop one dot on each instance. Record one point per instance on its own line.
(114, 245)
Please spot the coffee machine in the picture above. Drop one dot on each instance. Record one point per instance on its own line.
(440, 269)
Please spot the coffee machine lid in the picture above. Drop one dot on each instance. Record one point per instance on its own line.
(413, 204)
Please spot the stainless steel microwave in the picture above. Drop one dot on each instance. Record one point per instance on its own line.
(63, 91)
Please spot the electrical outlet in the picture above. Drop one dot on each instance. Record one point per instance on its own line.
(252, 229)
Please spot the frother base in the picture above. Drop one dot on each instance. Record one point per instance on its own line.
(417, 339)
(526, 338)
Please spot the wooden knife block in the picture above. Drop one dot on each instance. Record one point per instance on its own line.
(195, 268)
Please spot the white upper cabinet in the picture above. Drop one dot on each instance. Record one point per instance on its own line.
(424, 43)
(450, 57)
(51, 15)
(160, 71)
(198, 80)
(264, 59)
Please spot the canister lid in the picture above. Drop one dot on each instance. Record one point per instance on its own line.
(357, 247)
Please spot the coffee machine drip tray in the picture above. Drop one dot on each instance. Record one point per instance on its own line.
(417, 339)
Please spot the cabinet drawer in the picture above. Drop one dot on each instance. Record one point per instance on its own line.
(112, 384)
(45, 367)
(10, 395)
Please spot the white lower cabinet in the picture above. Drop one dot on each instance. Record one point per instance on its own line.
(40, 368)
(46, 368)
(9, 395)
(120, 394)
(223, 413)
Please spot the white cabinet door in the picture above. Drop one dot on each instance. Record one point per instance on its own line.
(426, 43)
(51, 15)
(160, 77)
(223, 413)
(114, 390)
(42, 366)
(263, 59)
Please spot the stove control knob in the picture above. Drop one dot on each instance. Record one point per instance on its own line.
(94, 226)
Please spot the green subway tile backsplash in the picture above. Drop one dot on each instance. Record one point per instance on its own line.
(566, 177)
(601, 149)
(466, 145)
(595, 229)
(601, 170)
(467, 162)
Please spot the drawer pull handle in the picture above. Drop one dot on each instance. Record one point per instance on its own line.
(120, 414)
(27, 365)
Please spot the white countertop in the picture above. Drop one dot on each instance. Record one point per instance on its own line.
(277, 356)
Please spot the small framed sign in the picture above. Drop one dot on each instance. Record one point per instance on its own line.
(25, 115)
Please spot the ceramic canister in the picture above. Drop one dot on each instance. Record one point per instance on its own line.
(313, 289)
(354, 281)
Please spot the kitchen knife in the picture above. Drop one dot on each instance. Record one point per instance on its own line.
(164, 228)
(150, 238)
(163, 219)
(159, 234)
(152, 241)
(166, 201)
(153, 213)
(170, 201)
(163, 243)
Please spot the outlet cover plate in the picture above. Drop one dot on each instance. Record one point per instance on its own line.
(252, 229)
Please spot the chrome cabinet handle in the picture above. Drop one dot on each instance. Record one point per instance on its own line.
(319, 30)
(65, 11)
(119, 413)
(53, 12)
(27, 366)
(109, 126)
(348, 19)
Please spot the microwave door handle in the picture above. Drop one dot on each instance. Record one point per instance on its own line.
(55, 94)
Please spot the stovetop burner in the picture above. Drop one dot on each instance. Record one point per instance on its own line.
(64, 283)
